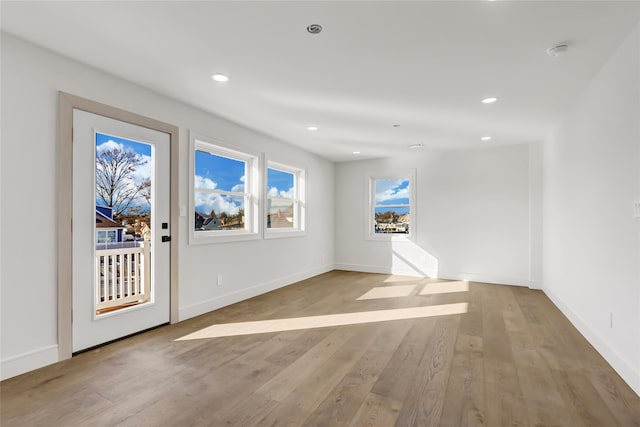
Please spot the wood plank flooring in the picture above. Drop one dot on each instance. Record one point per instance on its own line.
(511, 360)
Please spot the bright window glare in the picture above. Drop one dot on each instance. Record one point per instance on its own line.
(445, 287)
(297, 323)
(389, 292)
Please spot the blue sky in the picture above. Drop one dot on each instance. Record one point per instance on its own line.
(225, 172)
(392, 192)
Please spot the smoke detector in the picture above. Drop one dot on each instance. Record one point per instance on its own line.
(558, 50)
(314, 28)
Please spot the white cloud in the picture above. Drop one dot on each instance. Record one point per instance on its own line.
(207, 202)
(274, 192)
(202, 182)
(143, 171)
(239, 188)
(109, 145)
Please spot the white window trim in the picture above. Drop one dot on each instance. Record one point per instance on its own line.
(299, 199)
(252, 181)
(409, 174)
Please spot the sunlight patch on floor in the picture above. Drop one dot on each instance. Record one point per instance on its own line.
(396, 279)
(388, 292)
(310, 322)
(445, 287)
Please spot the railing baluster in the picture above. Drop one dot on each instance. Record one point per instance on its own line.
(112, 277)
(147, 269)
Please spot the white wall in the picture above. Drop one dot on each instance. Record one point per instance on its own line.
(591, 239)
(472, 216)
(31, 78)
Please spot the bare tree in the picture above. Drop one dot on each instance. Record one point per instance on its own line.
(115, 183)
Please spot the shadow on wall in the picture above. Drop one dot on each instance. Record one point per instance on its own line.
(408, 258)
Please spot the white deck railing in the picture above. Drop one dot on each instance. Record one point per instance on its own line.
(122, 276)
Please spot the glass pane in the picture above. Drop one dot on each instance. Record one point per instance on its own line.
(219, 173)
(280, 214)
(391, 220)
(218, 212)
(124, 207)
(280, 183)
(392, 191)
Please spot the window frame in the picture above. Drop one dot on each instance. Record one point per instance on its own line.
(370, 234)
(251, 193)
(299, 201)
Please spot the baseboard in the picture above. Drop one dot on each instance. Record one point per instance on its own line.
(622, 366)
(484, 278)
(535, 284)
(383, 270)
(250, 292)
(28, 361)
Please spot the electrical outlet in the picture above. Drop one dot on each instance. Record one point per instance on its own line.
(219, 280)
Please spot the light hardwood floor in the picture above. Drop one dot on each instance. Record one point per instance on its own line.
(511, 360)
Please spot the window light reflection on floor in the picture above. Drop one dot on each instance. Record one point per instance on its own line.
(445, 287)
(388, 292)
(297, 323)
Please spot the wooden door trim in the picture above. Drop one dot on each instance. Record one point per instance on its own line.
(66, 104)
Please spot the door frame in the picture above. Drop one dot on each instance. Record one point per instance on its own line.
(66, 104)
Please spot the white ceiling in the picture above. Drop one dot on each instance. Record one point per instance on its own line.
(422, 65)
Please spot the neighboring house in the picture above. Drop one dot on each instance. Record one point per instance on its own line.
(211, 224)
(142, 229)
(207, 222)
(107, 230)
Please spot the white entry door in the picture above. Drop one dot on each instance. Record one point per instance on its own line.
(120, 230)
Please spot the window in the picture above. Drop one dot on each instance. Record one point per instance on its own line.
(224, 198)
(285, 202)
(391, 207)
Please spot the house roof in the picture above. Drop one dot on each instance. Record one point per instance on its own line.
(102, 221)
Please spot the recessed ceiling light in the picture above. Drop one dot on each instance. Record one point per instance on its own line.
(415, 145)
(489, 100)
(312, 128)
(486, 138)
(219, 77)
(356, 152)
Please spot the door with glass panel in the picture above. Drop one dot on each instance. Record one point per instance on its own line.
(120, 229)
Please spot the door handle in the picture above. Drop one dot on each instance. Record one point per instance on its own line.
(166, 238)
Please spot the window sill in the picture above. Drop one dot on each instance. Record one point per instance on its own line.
(211, 239)
(269, 234)
(390, 237)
